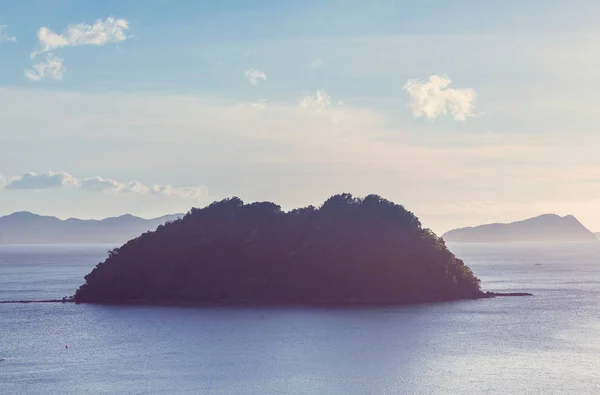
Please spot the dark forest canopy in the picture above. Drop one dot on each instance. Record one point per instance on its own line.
(348, 251)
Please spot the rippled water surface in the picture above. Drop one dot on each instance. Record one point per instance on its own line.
(545, 344)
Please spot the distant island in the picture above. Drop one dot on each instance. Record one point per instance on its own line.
(547, 227)
(348, 251)
(29, 228)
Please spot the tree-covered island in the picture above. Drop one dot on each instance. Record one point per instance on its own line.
(348, 251)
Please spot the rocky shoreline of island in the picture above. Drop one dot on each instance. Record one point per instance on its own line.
(175, 303)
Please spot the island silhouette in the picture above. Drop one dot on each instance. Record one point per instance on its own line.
(547, 227)
(28, 228)
(347, 251)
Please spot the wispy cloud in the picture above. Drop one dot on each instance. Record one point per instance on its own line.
(316, 63)
(182, 192)
(320, 102)
(57, 180)
(434, 97)
(99, 184)
(103, 31)
(4, 36)
(260, 104)
(52, 67)
(254, 76)
(65, 114)
(109, 30)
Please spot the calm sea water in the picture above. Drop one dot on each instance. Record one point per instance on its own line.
(545, 344)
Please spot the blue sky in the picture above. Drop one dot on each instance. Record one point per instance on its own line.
(178, 103)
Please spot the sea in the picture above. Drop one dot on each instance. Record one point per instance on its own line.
(548, 343)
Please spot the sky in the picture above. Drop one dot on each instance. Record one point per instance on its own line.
(465, 112)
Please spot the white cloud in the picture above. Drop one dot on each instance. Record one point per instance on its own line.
(320, 102)
(322, 105)
(183, 192)
(4, 36)
(109, 30)
(52, 67)
(434, 97)
(253, 76)
(56, 180)
(49, 180)
(316, 63)
(99, 184)
(136, 187)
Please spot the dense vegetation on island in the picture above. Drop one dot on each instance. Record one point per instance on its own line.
(347, 251)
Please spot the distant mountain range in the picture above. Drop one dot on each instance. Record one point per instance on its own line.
(29, 228)
(547, 227)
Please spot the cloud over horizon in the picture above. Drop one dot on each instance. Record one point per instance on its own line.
(34, 181)
(61, 179)
(434, 98)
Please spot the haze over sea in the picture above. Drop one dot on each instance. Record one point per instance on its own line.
(546, 344)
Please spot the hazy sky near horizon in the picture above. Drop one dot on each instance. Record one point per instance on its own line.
(465, 112)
